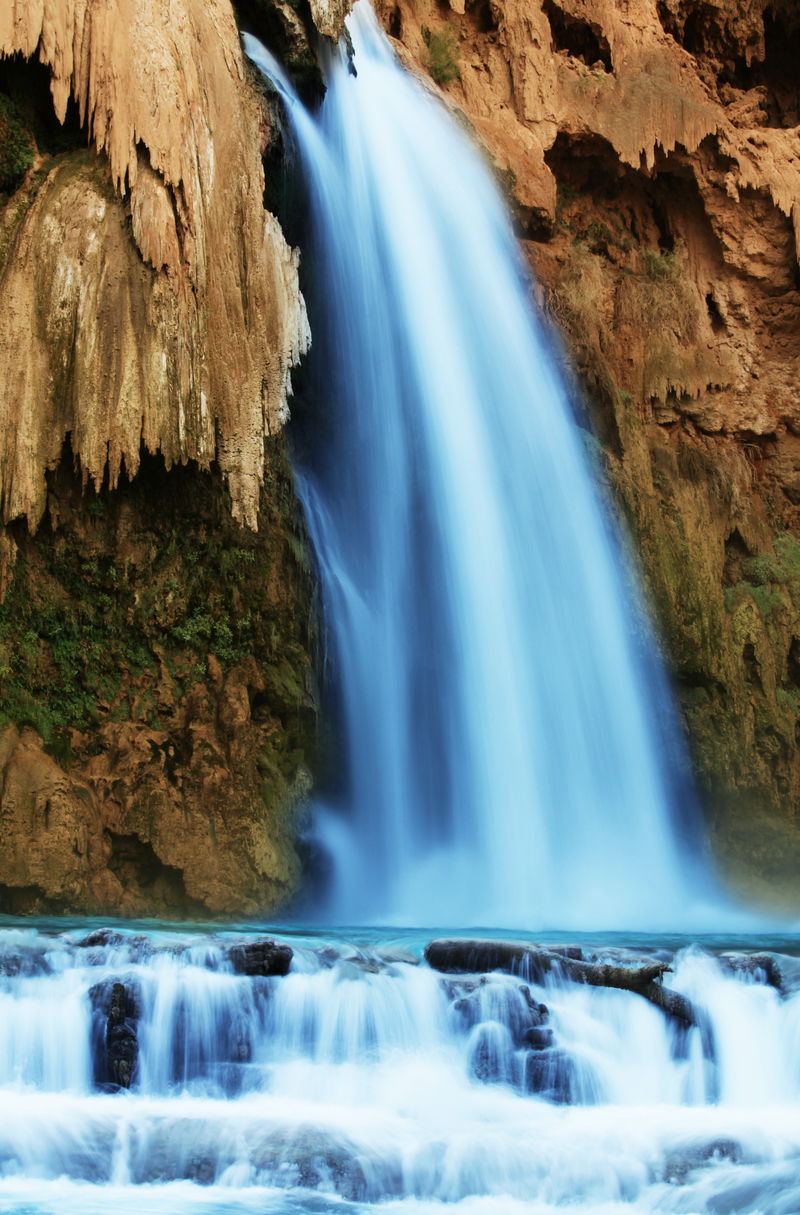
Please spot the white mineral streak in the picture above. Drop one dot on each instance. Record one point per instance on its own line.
(86, 315)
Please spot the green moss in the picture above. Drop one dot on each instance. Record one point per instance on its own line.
(17, 146)
(113, 615)
(765, 598)
(442, 55)
(781, 567)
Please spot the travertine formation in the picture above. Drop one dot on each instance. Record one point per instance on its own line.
(650, 150)
(181, 341)
(157, 706)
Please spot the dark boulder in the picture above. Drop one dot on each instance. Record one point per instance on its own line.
(115, 1047)
(538, 1037)
(261, 957)
(550, 1073)
(101, 938)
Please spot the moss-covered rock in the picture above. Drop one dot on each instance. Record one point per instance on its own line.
(17, 146)
(163, 656)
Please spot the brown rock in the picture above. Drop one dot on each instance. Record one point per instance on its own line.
(124, 342)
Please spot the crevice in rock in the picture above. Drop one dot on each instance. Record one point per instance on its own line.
(579, 38)
(134, 862)
(486, 17)
(714, 315)
(25, 900)
(744, 54)
(26, 84)
(793, 663)
(287, 29)
(736, 553)
(752, 670)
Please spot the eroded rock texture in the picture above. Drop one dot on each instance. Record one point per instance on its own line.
(156, 704)
(650, 150)
(181, 340)
(156, 677)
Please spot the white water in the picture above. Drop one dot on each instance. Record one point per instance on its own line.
(362, 1078)
(510, 752)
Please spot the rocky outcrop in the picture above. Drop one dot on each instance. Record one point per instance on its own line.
(650, 152)
(156, 673)
(156, 703)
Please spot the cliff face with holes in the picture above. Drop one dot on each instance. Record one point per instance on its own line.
(156, 704)
(650, 150)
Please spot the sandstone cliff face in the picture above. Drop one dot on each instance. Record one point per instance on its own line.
(158, 698)
(651, 153)
(156, 702)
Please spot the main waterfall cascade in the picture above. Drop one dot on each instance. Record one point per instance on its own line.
(510, 753)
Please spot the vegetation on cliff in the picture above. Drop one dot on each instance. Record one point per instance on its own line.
(162, 655)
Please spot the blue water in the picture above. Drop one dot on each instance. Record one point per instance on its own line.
(362, 1080)
(508, 746)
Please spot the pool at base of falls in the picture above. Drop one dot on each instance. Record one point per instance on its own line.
(170, 1070)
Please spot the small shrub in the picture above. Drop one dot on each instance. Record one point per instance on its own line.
(658, 266)
(16, 146)
(442, 57)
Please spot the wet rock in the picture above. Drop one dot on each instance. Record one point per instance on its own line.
(550, 1073)
(678, 1164)
(261, 957)
(368, 966)
(491, 1057)
(314, 1159)
(23, 963)
(760, 967)
(201, 1169)
(396, 954)
(539, 1013)
(538, 1038)
(115, 1047)
(476, 957)
(105, 938)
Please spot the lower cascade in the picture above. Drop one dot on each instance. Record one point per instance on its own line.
(509, 749)
(179, 1073)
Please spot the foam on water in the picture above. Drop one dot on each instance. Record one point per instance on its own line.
(358, 1080)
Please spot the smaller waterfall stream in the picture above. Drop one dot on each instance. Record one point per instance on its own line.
(509, 748)
(364, 1077)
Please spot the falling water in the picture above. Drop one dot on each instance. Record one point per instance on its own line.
(510, 753)
(362, 1078)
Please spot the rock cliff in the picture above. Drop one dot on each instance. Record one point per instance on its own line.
(155, 632)
(650, 151)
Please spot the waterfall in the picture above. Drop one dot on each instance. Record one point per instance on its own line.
(510, 752)
(363, 1079)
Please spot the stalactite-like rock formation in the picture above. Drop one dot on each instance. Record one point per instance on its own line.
(650, 152)
(156, 702)
(181, 340)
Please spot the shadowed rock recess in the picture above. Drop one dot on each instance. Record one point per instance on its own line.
(156, 631)
(650, 152)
